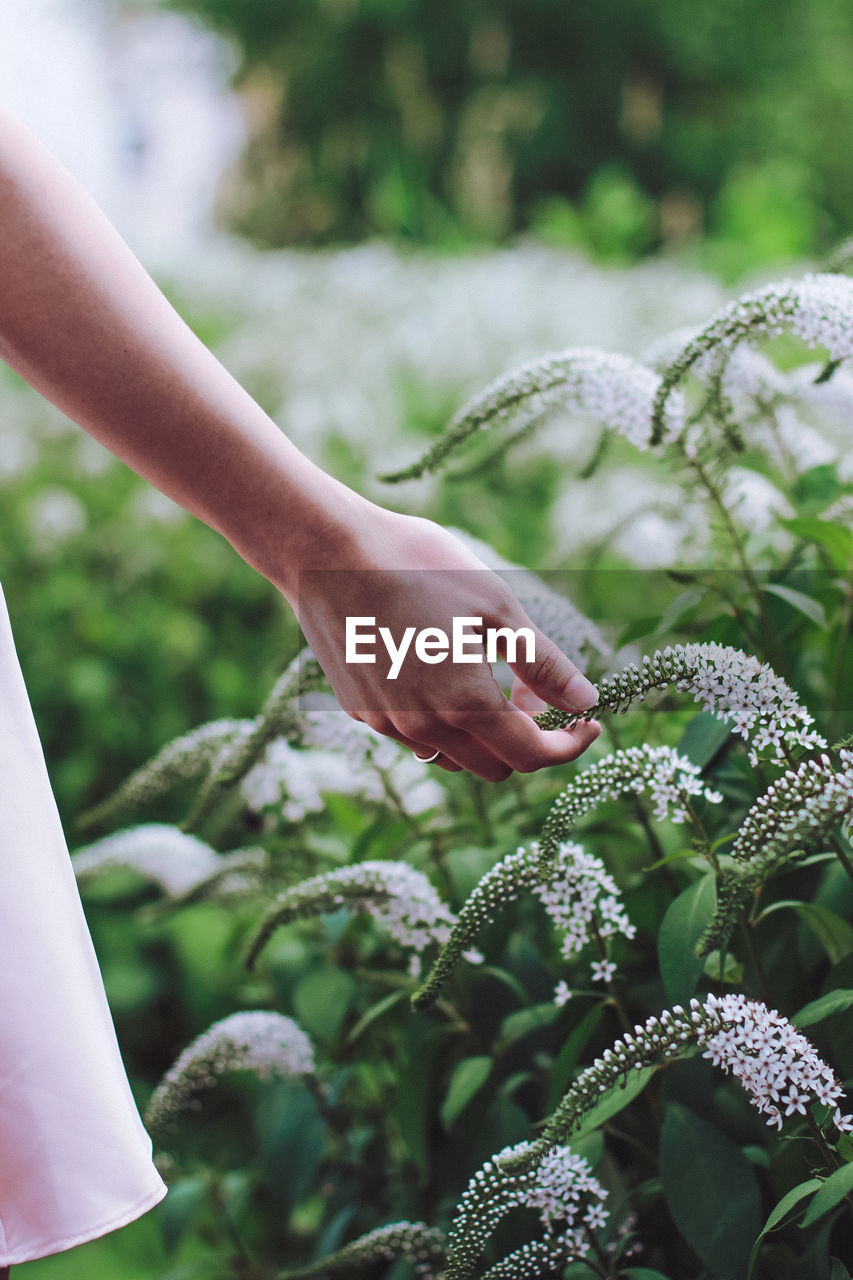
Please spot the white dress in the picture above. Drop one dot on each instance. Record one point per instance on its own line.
(75, 1160)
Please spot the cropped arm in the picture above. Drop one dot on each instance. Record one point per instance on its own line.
(83, 323)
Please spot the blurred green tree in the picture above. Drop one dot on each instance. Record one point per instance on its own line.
(445, 120)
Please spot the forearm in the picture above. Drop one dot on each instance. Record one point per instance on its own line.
(85, 325)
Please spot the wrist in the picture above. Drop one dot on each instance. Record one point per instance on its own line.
(303, 520)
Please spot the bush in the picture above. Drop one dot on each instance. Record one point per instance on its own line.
(627, 1050)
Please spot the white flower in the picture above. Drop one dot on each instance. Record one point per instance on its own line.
(818, 309)
(613, 389)
(843, 1123)
(773, 1061)
(255, 1040)
(338, 754)
(400, 899)
(562, 993)
(777, 1066)
(557, 1183)
(602, 970)
(581, 898)
(668, 777)
(175, 860)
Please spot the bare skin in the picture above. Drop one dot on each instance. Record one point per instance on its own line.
(85, 325)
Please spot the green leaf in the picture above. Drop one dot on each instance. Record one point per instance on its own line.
(570, 1054)
(321, 1000)
(614, 1101)
(468, 1078)
(798, 600)
(376, 1011)
(834, 934)
(680, 855)
(826, 1007)
(643, 1273)
(836, 538)
(637, 629)
(686, 919)
(678, 609)
(837, 1270)
(835, 1188)
(816, 485)
(182, 1205)
(781, 1211)
(414, 1106)
(732, 968)
(704, 736)
(525, 1021)
(711, 1191)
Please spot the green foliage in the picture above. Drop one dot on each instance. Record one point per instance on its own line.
(366, 1159)
(711, 1191)
(611, 126)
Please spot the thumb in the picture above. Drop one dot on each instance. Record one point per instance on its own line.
(551, 675)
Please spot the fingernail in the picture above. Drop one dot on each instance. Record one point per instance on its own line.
(581, 694)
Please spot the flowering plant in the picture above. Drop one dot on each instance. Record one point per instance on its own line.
(591, 1025)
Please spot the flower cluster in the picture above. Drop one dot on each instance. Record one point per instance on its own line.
(791, 817)
(777, 1066)
(578, 894)
(159, 852)
(734, 685)
(400, 899)
(668, 777)
(178, 862)
(191, 756)
(219, 753)
(818, 309)
(280, 718)
(257, 1041)
(613, 389)
(337, 754)
(584, 902)
(775, 1063)
(414, 1242)
(797, 810)
(501, 885)
(559, 1185)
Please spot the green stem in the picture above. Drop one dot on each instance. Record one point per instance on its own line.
(604, 1268)
(838, 662)
(755, 961)
(702, 835)
(711, 488)
(843, 856)
(826, 1150)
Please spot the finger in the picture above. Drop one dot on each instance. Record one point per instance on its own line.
(441, 761)
(525, 699)
(553, 676)
(456, 745)
(469, 753)
(423, 752)
(509, 733)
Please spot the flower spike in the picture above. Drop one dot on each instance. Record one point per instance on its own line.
(614, 389)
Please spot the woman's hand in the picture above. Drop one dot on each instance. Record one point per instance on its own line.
(407, 574)
(86, 326)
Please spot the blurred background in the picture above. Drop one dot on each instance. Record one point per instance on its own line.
(369, 209)
(620, 127)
